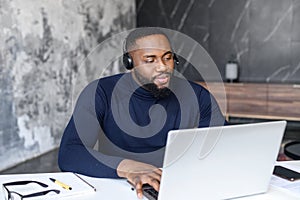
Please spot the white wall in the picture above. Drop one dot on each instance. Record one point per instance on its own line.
(43, 44)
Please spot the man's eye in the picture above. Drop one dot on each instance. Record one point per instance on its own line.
(168, 58)
(149, 60)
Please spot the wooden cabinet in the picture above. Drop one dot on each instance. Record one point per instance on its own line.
(284, 100)
(255, 100)
(247, 99)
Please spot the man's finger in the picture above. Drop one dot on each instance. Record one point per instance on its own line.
(155, 184)
(139, 191)
(158, 171)
(155, 176)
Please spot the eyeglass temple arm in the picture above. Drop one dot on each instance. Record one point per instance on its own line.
(41, 193)
(25, 182)
(36, 194)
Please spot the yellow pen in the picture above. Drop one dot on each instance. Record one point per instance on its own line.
(65, 186)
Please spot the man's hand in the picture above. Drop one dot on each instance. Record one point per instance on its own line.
(138, 173)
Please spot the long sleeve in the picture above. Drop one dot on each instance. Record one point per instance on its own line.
(76, 152)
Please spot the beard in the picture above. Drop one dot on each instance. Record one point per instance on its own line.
(152, 87)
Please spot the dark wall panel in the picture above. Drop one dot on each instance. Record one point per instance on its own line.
(229, 22)
(263, 34)
(189, 17)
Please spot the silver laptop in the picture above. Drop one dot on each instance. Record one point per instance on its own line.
(220, 162)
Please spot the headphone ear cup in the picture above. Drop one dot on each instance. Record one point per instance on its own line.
(127, 61)
(175, 58)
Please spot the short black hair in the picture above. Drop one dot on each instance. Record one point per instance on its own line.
(138, 33)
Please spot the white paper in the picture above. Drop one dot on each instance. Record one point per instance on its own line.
(79, 187)
(292, 186)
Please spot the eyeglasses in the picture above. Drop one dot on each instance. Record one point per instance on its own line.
(12, 195)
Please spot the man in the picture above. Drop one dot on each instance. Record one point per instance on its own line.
(130, 114)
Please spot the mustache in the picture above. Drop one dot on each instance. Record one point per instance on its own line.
(161, 74)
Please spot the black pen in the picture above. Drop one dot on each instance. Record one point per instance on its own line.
(85, 182)
(65, 186)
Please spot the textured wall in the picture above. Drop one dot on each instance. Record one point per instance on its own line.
(263, 34)
(43, 44)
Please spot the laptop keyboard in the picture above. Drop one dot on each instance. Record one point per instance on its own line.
(150, 192)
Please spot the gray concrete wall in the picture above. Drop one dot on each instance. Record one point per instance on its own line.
(43, 44)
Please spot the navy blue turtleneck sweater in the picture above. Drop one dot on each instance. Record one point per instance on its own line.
(115, 119)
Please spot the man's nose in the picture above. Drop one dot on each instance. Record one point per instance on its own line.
(161, 65)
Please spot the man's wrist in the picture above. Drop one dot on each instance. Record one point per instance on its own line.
(121, 169)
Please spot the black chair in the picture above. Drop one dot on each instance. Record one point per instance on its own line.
(292, 150)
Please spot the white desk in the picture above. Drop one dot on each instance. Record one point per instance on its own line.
(114, 189)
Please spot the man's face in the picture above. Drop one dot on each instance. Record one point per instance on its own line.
(153, 61)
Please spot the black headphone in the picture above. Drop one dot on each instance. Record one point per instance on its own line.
(128, 62)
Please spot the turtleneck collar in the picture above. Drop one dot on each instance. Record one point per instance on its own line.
(136, 89)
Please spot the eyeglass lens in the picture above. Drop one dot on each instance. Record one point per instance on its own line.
(6, 193)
